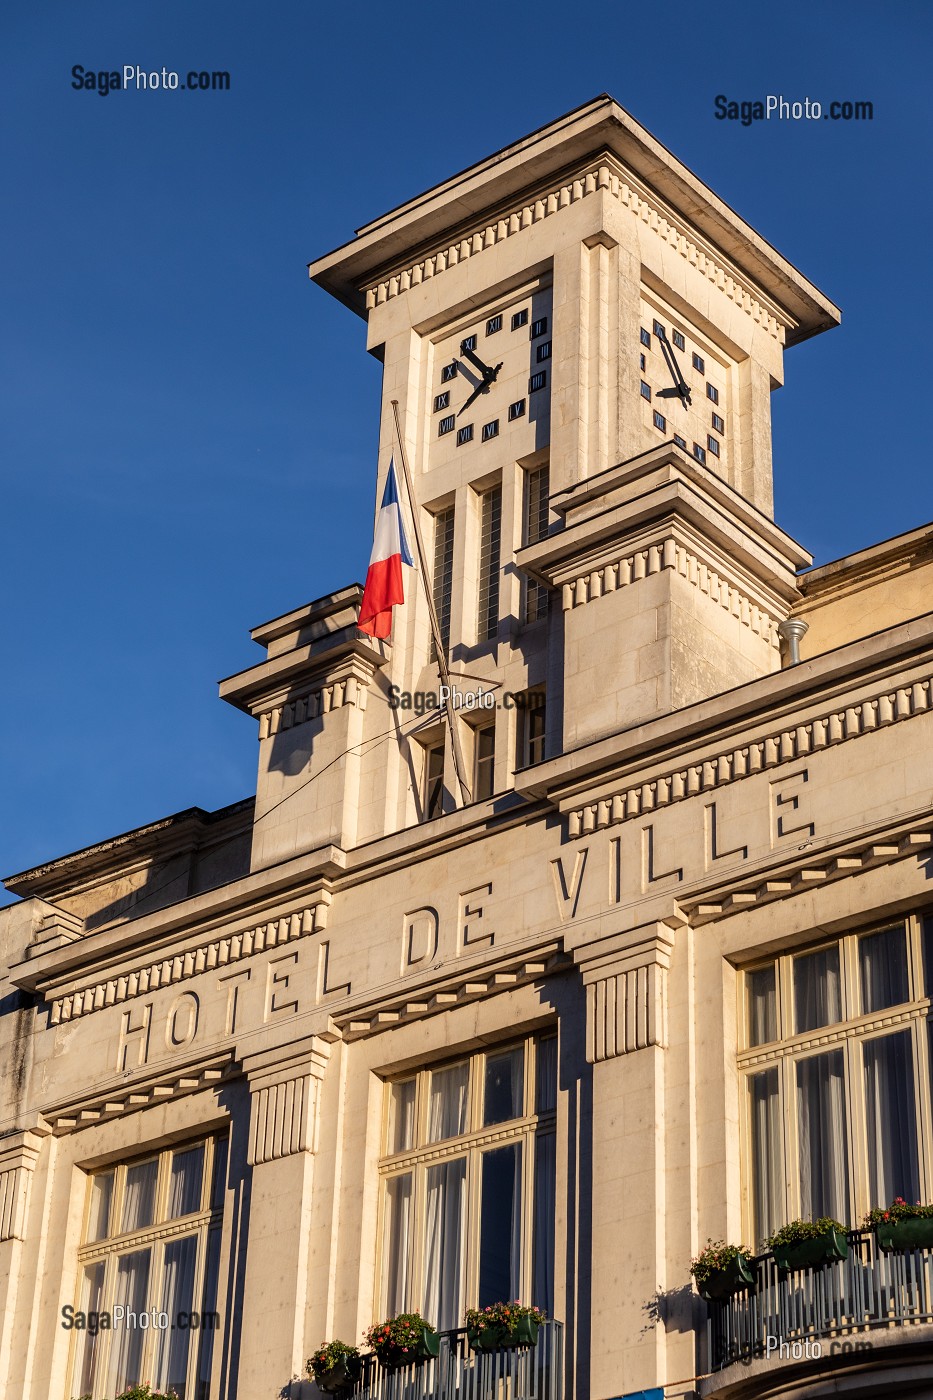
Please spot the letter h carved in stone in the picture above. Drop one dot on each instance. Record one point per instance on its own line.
(284, 1100)
(626, 991)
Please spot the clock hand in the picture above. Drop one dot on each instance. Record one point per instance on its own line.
(481, 388)
(474, 358)
(680, 384)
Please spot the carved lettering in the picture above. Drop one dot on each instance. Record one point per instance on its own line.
(181, 1025)
(324, 989)
(419, 938)
(279, 995)
(651, 873)
(133, 1045)
(711, 830)
(232, 981)
(568, 891)
(473, 931)
(785, 808)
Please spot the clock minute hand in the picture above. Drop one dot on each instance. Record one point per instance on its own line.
(481, 388)
(679, 382)
(475, 359)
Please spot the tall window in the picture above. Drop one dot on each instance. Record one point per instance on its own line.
(433, 800)
(443, 571)
(484, 762)
(487, 618)
(532, 723)
(537, 486)
(838, 1105)
(152, 1245)
(468, 1184)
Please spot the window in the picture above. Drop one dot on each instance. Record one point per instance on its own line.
(484, 762)
(433, 797)
(718, 425)
(712, 445)
(537, 486)
(678, 340)
(468, 1184)
(712, 393)
(446, 425)
(699, 364)
(645, 337)
(465, 435)
(449, 372)
(539, 327)
(835, 1103)
(516, 410)
(543, 352)
(537, 381)
(442, 582)
(442, 401)
(646, 391)
(699, 452)
(490, 430)
(152, 1241)
(660, 422)
(532, 709)
(519, 319)
(493, 324)
(487, 617)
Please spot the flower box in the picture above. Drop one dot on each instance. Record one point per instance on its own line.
(811, 1253)
(393, 1357)
(910, 1232)
(497, 1337)
(721, 1284)
(342, 1376)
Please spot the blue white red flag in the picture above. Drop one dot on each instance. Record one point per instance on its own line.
(383, 589)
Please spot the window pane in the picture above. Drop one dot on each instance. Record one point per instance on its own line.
(126, 1343)
(504, 1087)
(762, 1005)
(434, 782)
(767, 1188)
(88, 1347)
(891, 1120)
(546, 1090)
(883, 968)
(484, 764)
(396, 1243)
(184, 1187)
(487, 619)
(443, 1243)
(500, 1225)
(177, 1297)
(928, 954)
(542, 1269)
(208, 1323)
(448, 1115)
(219, 1178)
(402, 1116)
(443, 571)
(822, 1137)
(139, 1196)
(816, 989)
(98, 1221)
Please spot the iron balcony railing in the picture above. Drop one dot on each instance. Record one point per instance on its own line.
(867, 1290)
(526, 1373)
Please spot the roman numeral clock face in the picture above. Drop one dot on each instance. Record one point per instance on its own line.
(491, 384)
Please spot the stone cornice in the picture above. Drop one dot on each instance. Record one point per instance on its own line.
(348, 685)
(156, 1085)
(601, 173)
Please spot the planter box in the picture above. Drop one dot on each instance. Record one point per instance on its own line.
(342, 1376)
(723, 1283)
(499, 1338)
(393, 1358)
(912, 1233)
(810, 1254)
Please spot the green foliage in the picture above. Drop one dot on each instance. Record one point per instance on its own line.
(504, 1315)
(899, 1209)
(717, 1255)
(327, 1356)
(404, 1332)
(795, 1231)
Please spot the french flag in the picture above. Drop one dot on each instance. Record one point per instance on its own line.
(383, 589)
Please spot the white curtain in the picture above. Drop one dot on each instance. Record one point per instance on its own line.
(767, 1191)
(98, 1225)
(448, 1110)
(883, 967)
(817, 989)
(762, 1006)
(206, 1339)
(443, 1243)
(88, 1347)
(542, 1294)
(402, 1116)
(126, 1343)
(184, 1190)
(396, 1243)
(890, 1119)
(177, 1296)
(822, 1137)
(139, 1196)
(546, 1091)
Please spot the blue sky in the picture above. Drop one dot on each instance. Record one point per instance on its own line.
(189, 427)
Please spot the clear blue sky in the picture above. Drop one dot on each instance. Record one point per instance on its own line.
(189, 427)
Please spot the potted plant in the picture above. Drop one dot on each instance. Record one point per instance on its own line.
(503, 1325)
(405, 1340)
(901, 1226)
(142, 1392)
(805, 1244)
(721, 1269)
(336, 1366)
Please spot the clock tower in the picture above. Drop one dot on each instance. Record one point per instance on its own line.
(581, 339)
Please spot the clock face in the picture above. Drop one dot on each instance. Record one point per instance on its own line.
(675, 362)
(490, 390)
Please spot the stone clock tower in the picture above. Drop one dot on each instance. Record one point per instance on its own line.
(582, 340)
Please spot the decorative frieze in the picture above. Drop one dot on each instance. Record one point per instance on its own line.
(349, 690)
(285, 1086)
(779, 747)
(643, 204)
(141, 1091)
(219, 952)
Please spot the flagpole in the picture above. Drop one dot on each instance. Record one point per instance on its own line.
(459, 765)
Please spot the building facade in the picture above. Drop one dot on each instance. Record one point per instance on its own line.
(644, 958)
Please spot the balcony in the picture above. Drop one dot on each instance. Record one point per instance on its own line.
(849, 1307)
(531, 1373)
